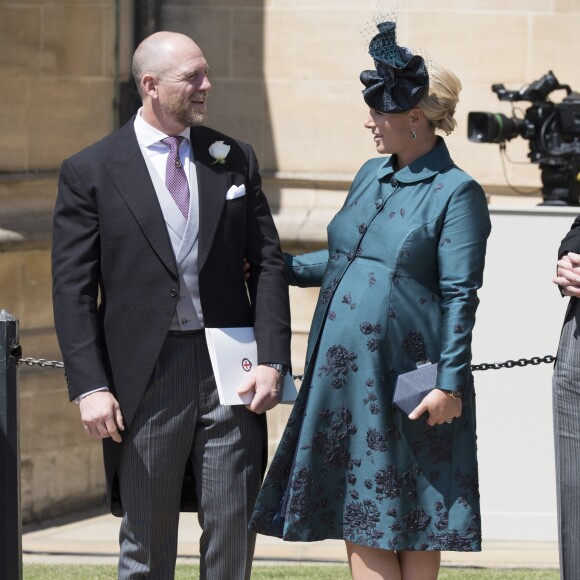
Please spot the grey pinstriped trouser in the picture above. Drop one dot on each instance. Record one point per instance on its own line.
(566, 405)
(180, 416)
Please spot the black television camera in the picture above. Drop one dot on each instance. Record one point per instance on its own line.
(553, 131)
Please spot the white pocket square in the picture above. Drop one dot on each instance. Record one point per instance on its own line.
(236, 191)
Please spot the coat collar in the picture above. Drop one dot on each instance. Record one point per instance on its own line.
(437, 160)
(129, 173)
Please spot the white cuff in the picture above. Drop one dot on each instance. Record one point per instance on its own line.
(81, 397)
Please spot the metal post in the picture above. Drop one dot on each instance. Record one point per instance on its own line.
(10, 522)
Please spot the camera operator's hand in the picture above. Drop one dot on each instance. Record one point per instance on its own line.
(568, 274)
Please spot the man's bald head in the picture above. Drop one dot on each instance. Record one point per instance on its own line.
(156, 55)
(172, 77)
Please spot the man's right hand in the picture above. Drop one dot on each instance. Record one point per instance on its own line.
(101, 416)
(568, 274)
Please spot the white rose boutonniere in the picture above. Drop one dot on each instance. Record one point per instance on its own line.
(219, 151)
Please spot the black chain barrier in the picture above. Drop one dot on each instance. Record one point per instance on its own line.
(508, 364)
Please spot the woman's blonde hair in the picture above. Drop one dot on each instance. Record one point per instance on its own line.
(439, 103)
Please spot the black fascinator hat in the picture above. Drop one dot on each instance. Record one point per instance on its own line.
(400, 80)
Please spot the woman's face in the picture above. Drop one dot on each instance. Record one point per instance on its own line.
(391, 131)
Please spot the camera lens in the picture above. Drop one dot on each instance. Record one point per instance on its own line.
(492, 127)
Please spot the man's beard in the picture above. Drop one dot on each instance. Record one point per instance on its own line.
(194, 118)
(184, 114)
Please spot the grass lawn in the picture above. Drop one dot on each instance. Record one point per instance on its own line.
(296, 572)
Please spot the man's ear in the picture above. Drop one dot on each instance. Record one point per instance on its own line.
(149, 85)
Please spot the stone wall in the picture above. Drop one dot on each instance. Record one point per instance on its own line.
(57, 59)
(285, 72)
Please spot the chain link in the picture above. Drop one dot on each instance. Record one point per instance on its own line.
(41, 362)
(508, 364)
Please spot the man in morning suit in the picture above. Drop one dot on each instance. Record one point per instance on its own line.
(566, 407)
(150, 234)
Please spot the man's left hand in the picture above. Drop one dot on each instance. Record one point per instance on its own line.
(266, 384)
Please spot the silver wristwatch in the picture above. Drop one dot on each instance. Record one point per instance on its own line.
(282, 369)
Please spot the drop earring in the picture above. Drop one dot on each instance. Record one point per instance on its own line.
(413, 134)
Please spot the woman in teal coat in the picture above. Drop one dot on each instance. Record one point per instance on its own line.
(399, 288)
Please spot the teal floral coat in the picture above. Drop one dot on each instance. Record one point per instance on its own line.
(398, 285)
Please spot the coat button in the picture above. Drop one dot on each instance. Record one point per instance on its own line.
(378, 203)
(350, 256)
(394, 182)
(362, 228)
(173, 292)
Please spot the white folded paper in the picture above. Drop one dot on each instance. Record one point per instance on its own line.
(234, 354)
(236, 191)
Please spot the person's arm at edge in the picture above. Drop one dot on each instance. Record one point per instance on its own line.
(568, 266)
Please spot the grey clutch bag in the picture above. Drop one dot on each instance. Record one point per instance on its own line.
(412, 387)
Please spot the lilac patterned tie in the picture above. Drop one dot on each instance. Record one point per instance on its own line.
(175, 178)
